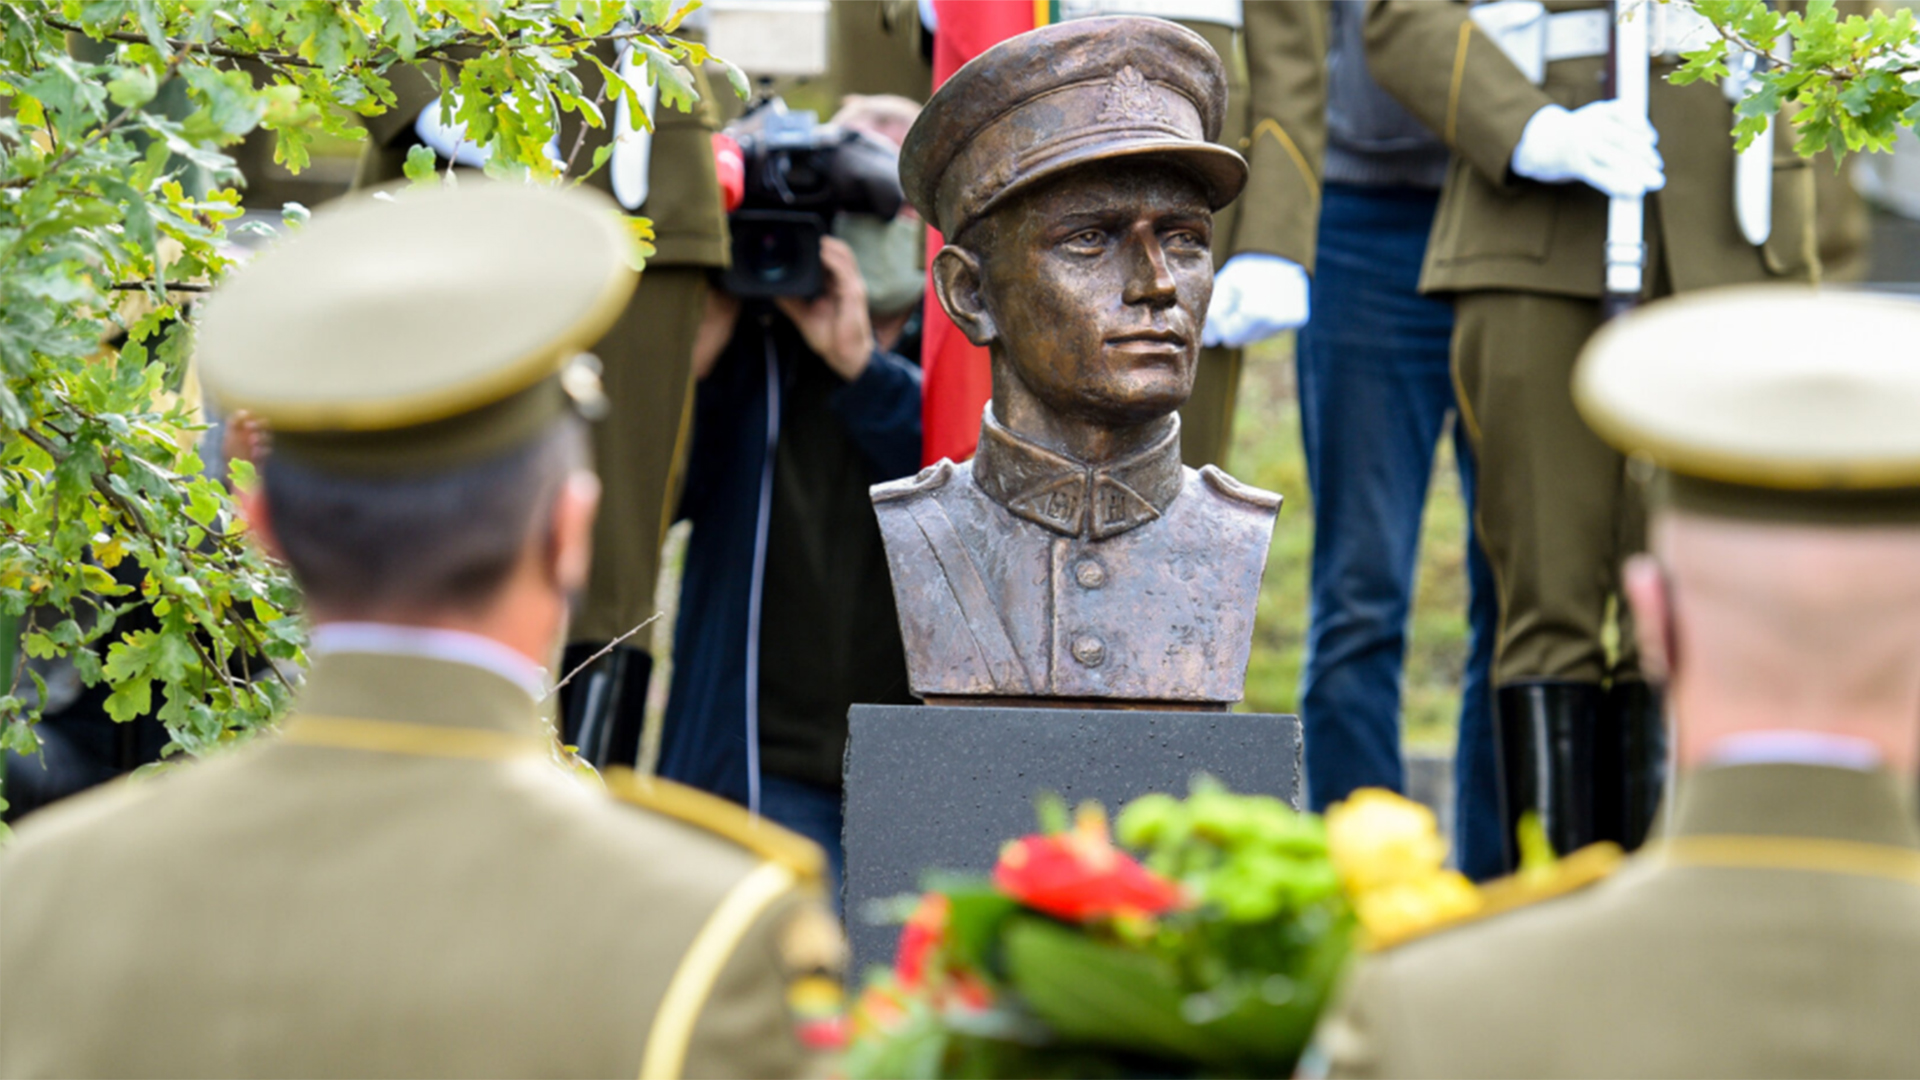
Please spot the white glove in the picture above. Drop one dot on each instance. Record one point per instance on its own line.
(1255, 296)
(1603, 145)
(452, 144)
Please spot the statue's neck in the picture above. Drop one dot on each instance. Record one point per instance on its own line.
(1090, 441)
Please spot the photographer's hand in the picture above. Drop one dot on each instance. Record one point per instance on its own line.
(835, 323)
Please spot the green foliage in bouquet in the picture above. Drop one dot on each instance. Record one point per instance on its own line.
(1213, 957)
(115, 196)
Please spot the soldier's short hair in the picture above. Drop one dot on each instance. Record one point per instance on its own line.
(441, 541)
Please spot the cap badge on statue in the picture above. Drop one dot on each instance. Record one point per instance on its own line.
(1063, 96)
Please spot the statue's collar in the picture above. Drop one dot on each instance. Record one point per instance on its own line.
(1072, 497)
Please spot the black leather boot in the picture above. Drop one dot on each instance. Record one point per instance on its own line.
(604, 708)
(1545, 737)
(1631, 753)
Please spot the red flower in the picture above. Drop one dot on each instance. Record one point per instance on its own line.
(918, 939)
(1079, 875)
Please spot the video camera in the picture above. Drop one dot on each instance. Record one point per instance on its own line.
(800, 174)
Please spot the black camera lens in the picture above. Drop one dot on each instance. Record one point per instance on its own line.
(776, 255)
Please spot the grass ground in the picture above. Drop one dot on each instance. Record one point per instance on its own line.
(1266, 452)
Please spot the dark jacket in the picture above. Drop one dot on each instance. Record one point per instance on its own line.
(827, 634)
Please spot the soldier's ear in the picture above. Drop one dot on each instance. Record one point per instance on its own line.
(1644, 581)
(961, 287)
(569, 553)
(259, 517)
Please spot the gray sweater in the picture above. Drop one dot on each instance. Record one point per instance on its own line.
(1371, 140)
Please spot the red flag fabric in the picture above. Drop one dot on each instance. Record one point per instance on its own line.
(956, 380)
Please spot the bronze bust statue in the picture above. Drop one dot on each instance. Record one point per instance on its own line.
(1075, 557)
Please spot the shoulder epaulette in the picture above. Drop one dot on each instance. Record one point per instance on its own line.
(719, 816)
(1588, 866)
(933, 476)
(1233, 489)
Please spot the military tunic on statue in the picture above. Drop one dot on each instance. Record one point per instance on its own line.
(400, 885)
(1774, 931)
(1026, 573)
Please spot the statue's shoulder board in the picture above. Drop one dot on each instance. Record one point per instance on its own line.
(1229, 488)
(930, 478)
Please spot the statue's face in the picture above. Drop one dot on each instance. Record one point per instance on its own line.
(1098, 284)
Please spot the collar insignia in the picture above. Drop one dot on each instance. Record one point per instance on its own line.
(1071, 497)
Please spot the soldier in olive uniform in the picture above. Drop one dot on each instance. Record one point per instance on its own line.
(1518, 244)
(648, 358)
(1772, 926)
(399, 882)
(1275, 56)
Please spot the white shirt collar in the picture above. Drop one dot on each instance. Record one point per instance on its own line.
(1791, 747)
(456, 646)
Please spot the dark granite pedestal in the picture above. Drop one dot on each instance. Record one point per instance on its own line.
(941, 787)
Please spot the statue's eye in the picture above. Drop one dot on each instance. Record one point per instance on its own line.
(1087, 238)
(1185, 239)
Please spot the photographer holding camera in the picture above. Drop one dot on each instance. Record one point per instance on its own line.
(809, 393)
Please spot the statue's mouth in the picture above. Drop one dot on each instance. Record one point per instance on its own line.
(1149, 341)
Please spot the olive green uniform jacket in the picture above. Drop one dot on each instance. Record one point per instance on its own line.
(1497, 231)
(640, 446)
(1275, 66)
(1285, 134)
(404, 884)
(878, 47)
(1773, 931)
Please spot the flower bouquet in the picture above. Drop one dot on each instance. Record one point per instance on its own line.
(1206, 942)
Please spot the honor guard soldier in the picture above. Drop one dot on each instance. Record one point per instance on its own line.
(404, 881)
(667, 175)
(1518, 90)
(1771, 927)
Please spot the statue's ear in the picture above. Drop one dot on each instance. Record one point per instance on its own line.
(961, 287)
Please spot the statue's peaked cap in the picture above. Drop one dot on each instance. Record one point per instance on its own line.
(1062, 96)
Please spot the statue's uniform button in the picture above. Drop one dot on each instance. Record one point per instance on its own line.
(1089, 650)
(1090, 574)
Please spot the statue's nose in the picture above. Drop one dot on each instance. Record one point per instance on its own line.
(1149, 280)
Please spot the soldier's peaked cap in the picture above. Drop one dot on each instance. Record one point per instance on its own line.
(1067, 95)
(1779, 403)
(416, 331)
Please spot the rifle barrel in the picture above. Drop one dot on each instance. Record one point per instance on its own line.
(1626, 250)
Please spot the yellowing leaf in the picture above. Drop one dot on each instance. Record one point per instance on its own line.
(110, 553)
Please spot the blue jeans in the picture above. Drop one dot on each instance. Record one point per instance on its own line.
(1375, 397)
(813, 812)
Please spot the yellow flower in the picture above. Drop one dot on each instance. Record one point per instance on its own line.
(1378, 838)
(1406, 908)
